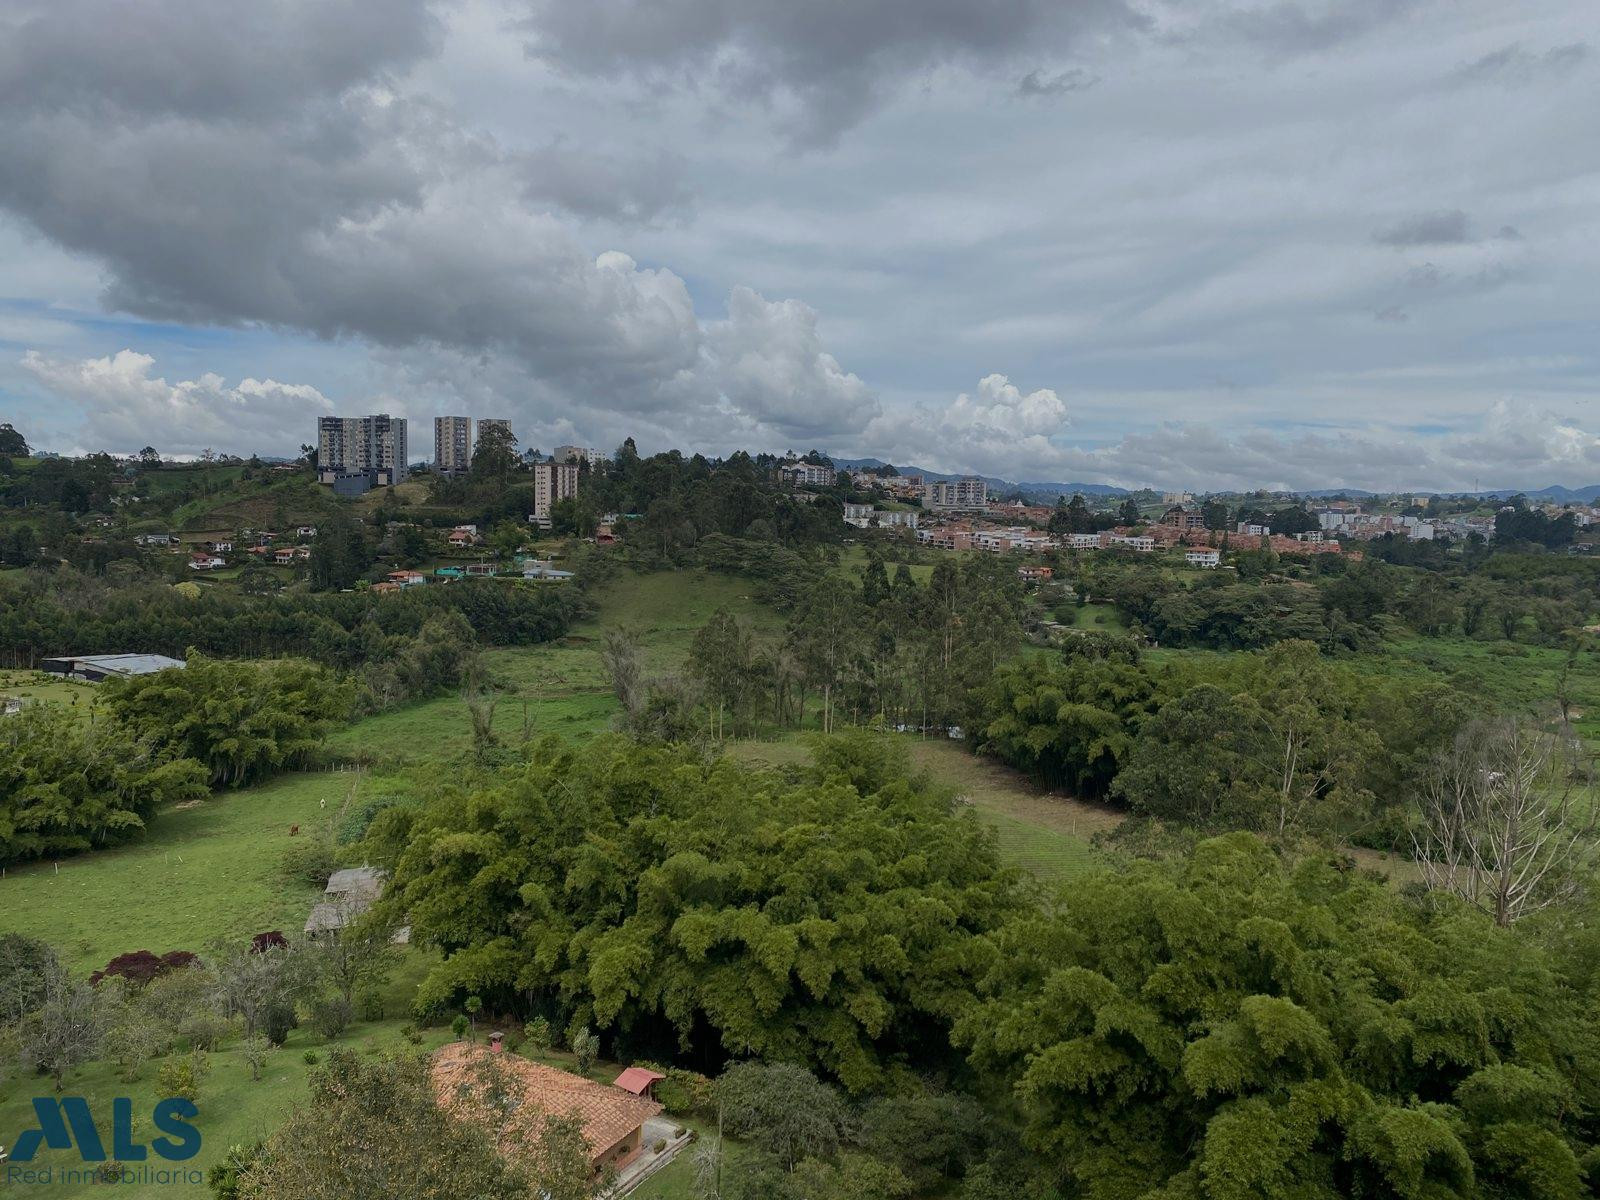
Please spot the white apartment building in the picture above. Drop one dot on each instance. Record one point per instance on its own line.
(967, 493)
(452, 444)
(1002, 541)
(1203, 556)
(575, 454)
(374, 445)
(1142, 543)
(552, 481)
(804, 474)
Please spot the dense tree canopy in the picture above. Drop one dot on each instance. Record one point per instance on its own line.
(829, 917)
(68, 785)
(1225, 1028)
(240, 720)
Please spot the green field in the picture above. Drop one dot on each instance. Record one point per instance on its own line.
(562, 687)
(1503, 673)
(204, 872)
(1099, 617)
(38, 687)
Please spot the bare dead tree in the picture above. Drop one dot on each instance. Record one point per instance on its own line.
(624, 666)
(1507, 818)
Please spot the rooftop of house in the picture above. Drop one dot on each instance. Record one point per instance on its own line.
(607, 1113)
(119, 664)
(355, 881)
(637, 1080)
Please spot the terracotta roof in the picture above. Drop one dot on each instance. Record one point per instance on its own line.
(637, 1080)
(608, 1113)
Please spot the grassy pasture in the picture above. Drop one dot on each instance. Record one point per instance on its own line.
(562, 687)
(204, 872)
(39, 687)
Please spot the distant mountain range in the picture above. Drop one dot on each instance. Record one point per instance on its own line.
(1033, 490)
(1555, 493)
(1049, 491)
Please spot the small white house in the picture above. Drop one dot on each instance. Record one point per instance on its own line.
(1203, 556)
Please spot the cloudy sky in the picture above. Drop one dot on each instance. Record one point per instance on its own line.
(1207, 243)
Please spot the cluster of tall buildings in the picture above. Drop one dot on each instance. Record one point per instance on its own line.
(355, 454)
(453, 441)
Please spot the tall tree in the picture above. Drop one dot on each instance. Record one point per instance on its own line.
(1508, 818)
(495, 455)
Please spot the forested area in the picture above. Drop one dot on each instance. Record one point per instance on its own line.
(890, 651)
(46, 613)
(846, 984)
(71, 782)
(1229, 1021)
(1349, 607)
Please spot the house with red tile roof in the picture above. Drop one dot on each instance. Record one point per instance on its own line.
(612, 1118)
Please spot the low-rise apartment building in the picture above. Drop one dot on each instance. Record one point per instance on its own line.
(966, 494)
(804, 474)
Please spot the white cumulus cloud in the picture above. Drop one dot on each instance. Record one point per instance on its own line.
(127, 407)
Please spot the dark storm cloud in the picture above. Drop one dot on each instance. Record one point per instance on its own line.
(833, 60)
(241, 58)
(1515, 64)
(1039, 83)
(1448, 228)
(266, 164)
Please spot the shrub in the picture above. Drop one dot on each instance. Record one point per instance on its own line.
(330, 1015)
(203, 1028)
(310, 1058)
(585, 1048)
(657, 1146)
(180, 1077)
(459, 1026)
(537, 1031)
(685, 1093)
(140, 967)
(310, 861)
(277, 1021)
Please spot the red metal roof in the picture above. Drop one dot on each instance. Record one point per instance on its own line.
(636, 1080)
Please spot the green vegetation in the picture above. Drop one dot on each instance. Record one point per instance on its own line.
(1224, 1027)
(950, 901)
(597, 880)
(210, 870)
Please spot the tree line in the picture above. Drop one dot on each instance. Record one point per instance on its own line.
(72, 781)
(887, 650)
